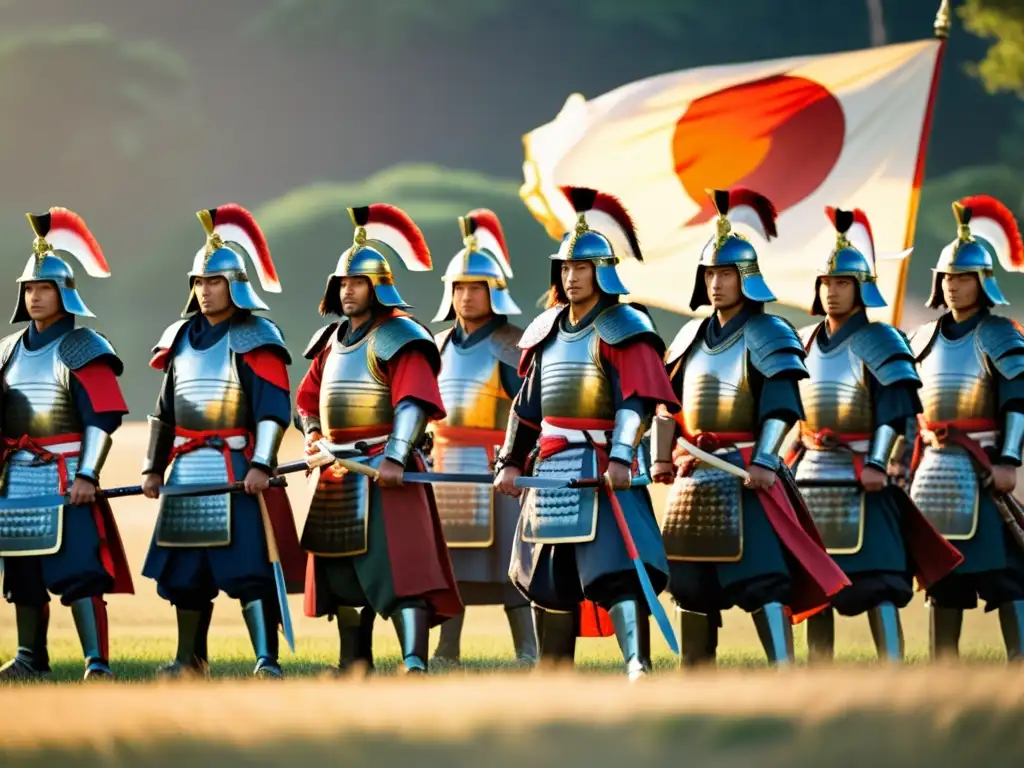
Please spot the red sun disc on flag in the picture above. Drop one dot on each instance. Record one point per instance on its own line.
(780, 136)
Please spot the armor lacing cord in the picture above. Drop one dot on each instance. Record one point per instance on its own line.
(37, 447)
(212, 438)
(712, 442)
(956, 433)
(826, 439)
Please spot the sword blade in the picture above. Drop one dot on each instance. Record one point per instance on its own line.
(282, 600)
(214, 489)
(715, 461)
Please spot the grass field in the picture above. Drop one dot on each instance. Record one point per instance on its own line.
(856, 714)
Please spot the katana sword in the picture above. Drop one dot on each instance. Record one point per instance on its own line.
(186, 489)
(480, 478)
(719, 463)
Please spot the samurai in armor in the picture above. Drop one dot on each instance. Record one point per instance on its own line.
(593, 379)
(479, 377)
(862, 388)
(968, 439)
(220, 417)
(370, 391)
(60, 405)
(734, 542)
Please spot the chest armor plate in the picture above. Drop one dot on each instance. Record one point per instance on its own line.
(716, 391)
(572, 382)
(37, 394)
(207, 390)
(836, 396)
(470, 384)
(352, 390)
(956, 383)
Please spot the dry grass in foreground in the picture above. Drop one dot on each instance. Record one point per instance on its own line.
(877, 717)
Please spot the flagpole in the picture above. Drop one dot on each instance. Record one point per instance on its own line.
(941, 28)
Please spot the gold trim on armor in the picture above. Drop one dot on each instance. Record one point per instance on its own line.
(572, 539)
(48, 550)
(860, 532)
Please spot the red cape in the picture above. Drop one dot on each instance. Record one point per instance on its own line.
(111, 549)
(417, 552)
(816, 577)
(933, 557)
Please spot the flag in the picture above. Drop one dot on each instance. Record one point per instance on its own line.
(845, 129)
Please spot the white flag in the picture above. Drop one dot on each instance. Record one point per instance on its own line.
(844, 130)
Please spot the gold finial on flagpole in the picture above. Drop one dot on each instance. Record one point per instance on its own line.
(943, 21)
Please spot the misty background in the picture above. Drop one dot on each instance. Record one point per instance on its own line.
(137, 113)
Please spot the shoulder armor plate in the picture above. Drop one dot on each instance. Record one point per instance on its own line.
(684, 339)
(807, 334)
(774, 346)
(441, 338)
(1001, 340)
(540, 328)
(254, 332)
(623, 322)
(170, 336)
(319, 340)
(885, 353)
(504, 343)
(7, 345)
(83, 345)
(396, 332)
(921, 338)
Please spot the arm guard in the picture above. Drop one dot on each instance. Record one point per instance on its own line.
(766, 451)
(161, 440)
(882, 443)
(629, 428)
(95, 447)
(268, 439)
(1013, 436)
(520, 438)
(311, 424)
(409, 423)
(663, 435)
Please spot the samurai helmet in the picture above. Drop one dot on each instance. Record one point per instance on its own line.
(381, 231)
(729, 248)
(986, 231)
(604, 234)
(484, 258)
(853, 256)
(232, 234)
(60, 231)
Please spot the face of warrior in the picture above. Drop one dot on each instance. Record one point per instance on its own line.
(42, 300)
(214, 296)
(356, 295)
(961, 291)
(838, 296)
(723, 286)
(472, 301)
(579, 281)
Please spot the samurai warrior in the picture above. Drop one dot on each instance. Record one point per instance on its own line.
(60, 405)
(593, 379)
(862, 388)
(370, 391)
(479, 378)
(731, 541)
(223, 407)
(968, 439)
